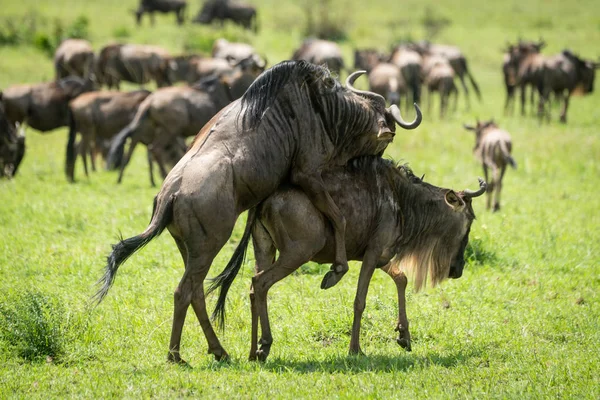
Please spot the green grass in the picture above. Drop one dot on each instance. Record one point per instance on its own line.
(522, 322)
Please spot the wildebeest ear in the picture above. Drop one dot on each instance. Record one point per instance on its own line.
(454, 201)
(469, 127)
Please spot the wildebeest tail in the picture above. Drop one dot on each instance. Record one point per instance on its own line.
(507, 156)
(70, 162)
(475, 85)
(162, 214)
(224, 280)
(117, 146)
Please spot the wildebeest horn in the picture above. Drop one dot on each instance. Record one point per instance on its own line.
(395, 111)
(370, 95)
(482, 187)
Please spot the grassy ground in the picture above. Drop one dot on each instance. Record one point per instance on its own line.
(523, 321)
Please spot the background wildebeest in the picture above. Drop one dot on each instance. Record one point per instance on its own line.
(12, 145)
(439, 77)
(410, 63)
(524, 66)
(393, 219)
(191, 68)
(493, 147)
(163, 6)
(43, 106)
(385, 79)
(367, 59)
(292, 123)
(226, 10)
(235, 52)
(133, 63)
(74, 57)
(98, 117)
(321, 52)
(565, 74)
(179, 112)
(457, 61)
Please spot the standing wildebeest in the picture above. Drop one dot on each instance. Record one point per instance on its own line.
(98, 117)
(457, 61)
(492, 148)
(410, 64)
(192, 68)
(385, 79)
(222, 10)
(163, 6)
(133, 63)
(439, 77)
(74, 57)
(367, 59)
(43, 106)
(393, 219)
(321, 52)
(179, 112)
(235, 52)
(562, 73)
(12, 145)
(292, 123)
(527, 63)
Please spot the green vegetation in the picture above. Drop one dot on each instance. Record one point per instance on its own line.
(522, 322)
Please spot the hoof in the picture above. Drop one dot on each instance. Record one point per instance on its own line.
(404, 343)
(176, 359)
(223, 357)
(262, 355)
(356, 352)
(332, 277)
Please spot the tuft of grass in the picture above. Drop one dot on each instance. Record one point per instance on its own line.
(476, 253)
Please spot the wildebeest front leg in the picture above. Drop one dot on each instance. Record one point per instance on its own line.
(314, 187)
(402, 327)
(366, 272)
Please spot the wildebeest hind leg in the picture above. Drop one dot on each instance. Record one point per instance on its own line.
(366, 272)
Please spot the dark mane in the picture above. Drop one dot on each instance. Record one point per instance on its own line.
(264, 90)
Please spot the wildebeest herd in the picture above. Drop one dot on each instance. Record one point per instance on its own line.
(291, 145)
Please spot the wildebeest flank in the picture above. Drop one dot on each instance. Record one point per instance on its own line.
(74, 57)
(394, 219)
(292, 123)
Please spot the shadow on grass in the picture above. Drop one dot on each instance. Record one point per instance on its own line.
(355, 364)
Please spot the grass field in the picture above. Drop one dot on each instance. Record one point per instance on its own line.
(522, 322)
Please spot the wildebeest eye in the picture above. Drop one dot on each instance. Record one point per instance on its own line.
(329, 82)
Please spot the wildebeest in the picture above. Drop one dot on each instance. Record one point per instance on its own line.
(493, 147)
(43, 106)
(192, 68)
(74, 57)
(321, 52)
(527, 64)
(457, 61)
(234, 52)
(133, 63)
(563, 75)
(292, 123)
(393, 219)
(386, 80)
(98, 117)
(410, 64)
(179, 112)
(12, 145)
(367, 59)
(439, 77)
(163, 6)
(223, 10)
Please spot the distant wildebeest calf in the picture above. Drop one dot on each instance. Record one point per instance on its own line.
(394, 221)
(493, 147)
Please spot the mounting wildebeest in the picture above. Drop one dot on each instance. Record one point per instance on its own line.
(74, 57)
(292, 123)
(163, 6)
(393, 219)
(174, 112)
(12, 145)
(133, 63)
(98, 117)
(565, 74)
(223, 10)
(43, 106)
(493, 147)
(321, 52)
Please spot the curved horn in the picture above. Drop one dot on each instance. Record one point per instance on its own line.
(482, 187)
(370, 95)
(395, 111)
